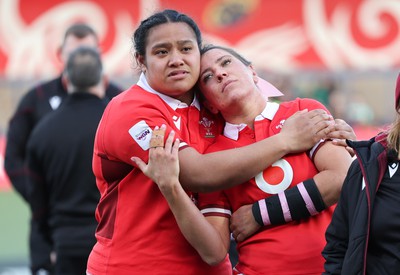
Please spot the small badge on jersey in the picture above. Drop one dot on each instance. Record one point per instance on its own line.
(141, 133)
(393, 168)
(177, 122)
(54, 102)
(207, 127)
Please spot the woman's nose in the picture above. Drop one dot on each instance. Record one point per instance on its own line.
(175, 59)
(221, 75)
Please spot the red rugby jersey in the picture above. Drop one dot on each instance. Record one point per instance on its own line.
(137, 232)
(293, 248)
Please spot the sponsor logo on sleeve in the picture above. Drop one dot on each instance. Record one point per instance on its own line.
(141, 133)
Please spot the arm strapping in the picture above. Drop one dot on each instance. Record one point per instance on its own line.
(299, 202)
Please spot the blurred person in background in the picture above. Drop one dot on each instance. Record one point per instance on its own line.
(62, 188)
(36, 104)
(363, 236)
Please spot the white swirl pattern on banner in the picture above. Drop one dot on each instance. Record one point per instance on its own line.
(30, 48)
(335, 44)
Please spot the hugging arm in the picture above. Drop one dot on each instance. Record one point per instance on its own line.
(225, 169)
(306, 199)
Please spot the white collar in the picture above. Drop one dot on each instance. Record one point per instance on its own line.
(269, 111)
(232, 130)
(172, 102)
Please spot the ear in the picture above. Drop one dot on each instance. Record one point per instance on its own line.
(64, 78)
(210, 107)
(254, 74)
(139, 58)
(59, 53)
(140, 62)
(105, 80)
(100, 89)
(60, 58)
(66, 82)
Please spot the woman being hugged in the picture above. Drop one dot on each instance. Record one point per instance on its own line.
(290, 202)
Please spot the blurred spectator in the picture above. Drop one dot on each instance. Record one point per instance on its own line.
(338, 104)
(62, 188)
(37, 103)
(359, 112)
(323, 90)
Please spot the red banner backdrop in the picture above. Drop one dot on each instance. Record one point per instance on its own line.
(285, 35)
(276, 35)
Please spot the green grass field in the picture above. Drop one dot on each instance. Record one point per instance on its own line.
(14, 223)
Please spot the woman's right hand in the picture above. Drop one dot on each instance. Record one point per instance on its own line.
(342, 132)
(306, 128)
(163, 165)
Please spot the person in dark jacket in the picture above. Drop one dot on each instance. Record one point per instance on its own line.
(36, 104)
(364, 234)
(62, 189)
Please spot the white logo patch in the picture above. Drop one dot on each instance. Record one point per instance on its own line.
(177, 121)
(141, 133)
(276, 187)
(393, 168)
(54, 102)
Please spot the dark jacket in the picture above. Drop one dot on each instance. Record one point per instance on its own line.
(37, 103)
(347, 235)
(62, 188)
